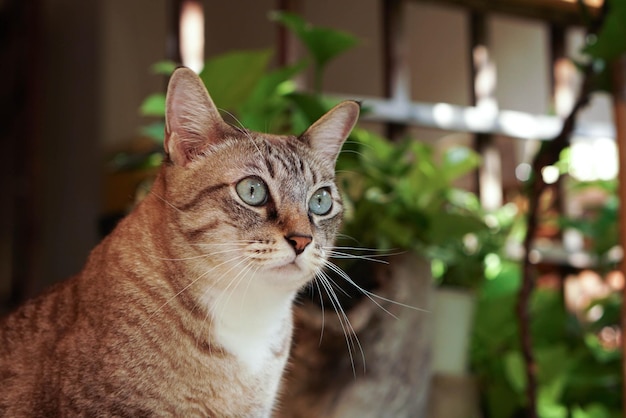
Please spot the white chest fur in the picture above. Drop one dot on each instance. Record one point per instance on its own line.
(253, 322)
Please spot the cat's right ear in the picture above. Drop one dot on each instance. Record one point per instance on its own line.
(327, 135)
(192, 122)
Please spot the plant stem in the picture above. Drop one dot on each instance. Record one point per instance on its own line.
(548, 155)
(619, 115)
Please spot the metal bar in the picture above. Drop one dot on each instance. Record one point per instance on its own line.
(553, 11)
(472, 119)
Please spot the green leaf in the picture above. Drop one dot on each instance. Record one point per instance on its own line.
(515, 371)
(164, 67)
(501, 401)
(599, 352)
(153, 105)
(548, 305)
(155, 131)
(323, 44)
(232, 77)
(458, 161)
(465, 199)
(553, 362)
(268, 102)
(506, 283)
(307, 109)
(610, 42)
(268, 86)
(594, 410)
(445, 227)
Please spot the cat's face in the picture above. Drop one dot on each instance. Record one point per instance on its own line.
(260, 204)
(257, 204)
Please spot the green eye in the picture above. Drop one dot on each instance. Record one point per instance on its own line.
(252, 190)
(321, 202)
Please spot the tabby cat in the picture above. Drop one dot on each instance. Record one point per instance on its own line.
(185, 309)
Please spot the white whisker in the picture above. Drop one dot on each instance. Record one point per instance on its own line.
(235, 279)
(338, 254)
(221, 109)
(191, 283)
(370, 295)
(243, 130)
(363, 249)
(348, 237)
(221, 244)
(164, 200)
(195, 257)
(319, 291)
(212, 313)
(348, 331)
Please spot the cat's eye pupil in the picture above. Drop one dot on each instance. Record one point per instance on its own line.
(321, 202)
(253, 191)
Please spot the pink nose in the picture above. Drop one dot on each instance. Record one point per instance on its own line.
(299, 242)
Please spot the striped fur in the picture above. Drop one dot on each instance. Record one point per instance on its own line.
(185, 308)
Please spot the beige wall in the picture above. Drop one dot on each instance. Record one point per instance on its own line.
(133, 36)
(360, 70)
(237, 24)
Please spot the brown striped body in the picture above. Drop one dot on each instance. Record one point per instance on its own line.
(185, 308)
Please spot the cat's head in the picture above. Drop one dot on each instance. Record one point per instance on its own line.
(263, 205)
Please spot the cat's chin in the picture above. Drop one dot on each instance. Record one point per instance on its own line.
(290, 273)
(291, 268)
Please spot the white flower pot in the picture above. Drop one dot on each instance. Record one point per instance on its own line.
(453, 314)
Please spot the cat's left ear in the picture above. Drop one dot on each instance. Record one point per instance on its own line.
(327, 135)
(192, 122)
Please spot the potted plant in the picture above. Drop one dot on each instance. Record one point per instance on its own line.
(401, 197)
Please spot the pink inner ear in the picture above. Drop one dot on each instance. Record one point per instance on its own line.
(327, 135)
(180, 152)
(192, 120)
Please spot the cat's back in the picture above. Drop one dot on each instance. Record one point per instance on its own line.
(29, 340)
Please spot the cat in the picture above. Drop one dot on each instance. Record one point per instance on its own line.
(185, 309)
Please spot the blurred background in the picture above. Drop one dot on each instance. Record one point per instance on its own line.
(79, 72)
(497, 77)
